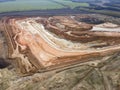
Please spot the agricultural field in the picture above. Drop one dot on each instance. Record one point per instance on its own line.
(25, 5)
(70, 4)
(22, 5)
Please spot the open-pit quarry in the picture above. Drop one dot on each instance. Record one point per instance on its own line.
(46, 43)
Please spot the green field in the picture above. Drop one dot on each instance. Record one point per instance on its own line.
(25, 5)
(70, 4)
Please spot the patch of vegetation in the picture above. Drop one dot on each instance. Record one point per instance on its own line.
(25, 5)
(105, 12)
(70, 4)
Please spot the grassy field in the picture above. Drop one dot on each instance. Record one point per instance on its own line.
(70, 4)
(25, 5)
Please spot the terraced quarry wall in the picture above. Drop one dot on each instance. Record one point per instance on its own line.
(39, 43)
